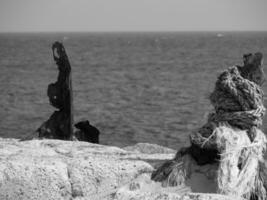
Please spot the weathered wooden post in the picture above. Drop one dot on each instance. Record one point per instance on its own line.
(60, 123)
(65, 75)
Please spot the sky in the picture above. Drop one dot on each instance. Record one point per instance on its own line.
(132, 15)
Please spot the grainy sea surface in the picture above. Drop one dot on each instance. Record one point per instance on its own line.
(134, 87)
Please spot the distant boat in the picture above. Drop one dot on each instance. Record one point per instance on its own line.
(220, 35)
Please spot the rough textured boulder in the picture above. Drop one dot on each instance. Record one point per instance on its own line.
(147, 148)
(53, 169)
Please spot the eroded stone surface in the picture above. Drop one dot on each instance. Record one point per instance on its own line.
(55, 170)
(149, 149)
(143, 188)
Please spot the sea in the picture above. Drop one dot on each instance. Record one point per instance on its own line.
(134, 87)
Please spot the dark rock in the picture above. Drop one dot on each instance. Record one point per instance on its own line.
(87, 132)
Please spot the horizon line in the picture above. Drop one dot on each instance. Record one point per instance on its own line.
(135, 31)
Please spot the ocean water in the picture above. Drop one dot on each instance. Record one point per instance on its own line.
(134, 87)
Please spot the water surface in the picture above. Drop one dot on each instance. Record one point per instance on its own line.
(135, 87)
